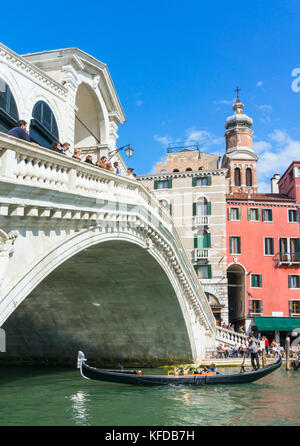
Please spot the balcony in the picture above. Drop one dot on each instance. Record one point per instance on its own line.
(288, 258)
(200, 254)
(201, 220)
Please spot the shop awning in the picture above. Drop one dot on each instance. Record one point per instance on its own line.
(276, 323)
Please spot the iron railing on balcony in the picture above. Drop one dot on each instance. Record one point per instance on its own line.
(287, 257)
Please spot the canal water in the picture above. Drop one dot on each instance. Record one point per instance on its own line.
(61, 397)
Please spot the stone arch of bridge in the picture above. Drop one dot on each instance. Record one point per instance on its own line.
(107, 294)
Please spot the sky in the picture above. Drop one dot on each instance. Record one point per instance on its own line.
(175, 65)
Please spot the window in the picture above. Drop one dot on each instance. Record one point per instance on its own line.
(163, 184)
(235, 245)
(255, 306)
(295, 249)
(295, 307)
(8, 109)
(254, 214)
(248, 177)
(293, 215)
(267, 215)
(234, 213)
(294, 281)
(202, 207)
(269, 246)
(203, 271)
(188, 169)
(202, 181)
(256, 281)
(237, 176)
(43, 126)
(202, 241)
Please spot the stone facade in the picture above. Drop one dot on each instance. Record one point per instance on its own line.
(186, 195)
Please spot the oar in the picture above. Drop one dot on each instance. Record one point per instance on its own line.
(243, 368)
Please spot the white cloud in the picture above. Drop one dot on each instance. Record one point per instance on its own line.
(259, 84)
(164, 140)
(264, 187)
(224, 102)
(139, 103)
(261, 146)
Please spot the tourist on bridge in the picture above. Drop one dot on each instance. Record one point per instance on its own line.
(56, 147)
(20, 131)
(66, 149)
(77, 154)
(117, 168)
(89, 159)
(252, 348)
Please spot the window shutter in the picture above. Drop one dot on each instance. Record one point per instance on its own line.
(252, 280)
(297, 213)
(208, 241)
(259, 214)
(260, 280)
(170, 183)
(291, 307)
(249, 214)
(194, 209)
(209, 271)
(155, 184)
(239, 213)
(170, 208)
(260, 306)
(194, 181)
(250, 306)
(264, 215)
(230, 245)
(196, 269)
(290, 281)
(195, 242)
(209, 180)
(229, 212)
(272, 246)
(271, 214)
(208, 209)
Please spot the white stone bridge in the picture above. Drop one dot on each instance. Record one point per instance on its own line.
(89, 260)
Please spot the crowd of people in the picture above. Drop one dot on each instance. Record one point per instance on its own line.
(21, 132)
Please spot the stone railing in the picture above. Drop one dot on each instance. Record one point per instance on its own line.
(230, 337)
(31, 166)
(201, 220)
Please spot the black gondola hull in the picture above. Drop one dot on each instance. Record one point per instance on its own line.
(160, 380)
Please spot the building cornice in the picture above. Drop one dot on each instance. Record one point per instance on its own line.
(197, 173)
(31, 70)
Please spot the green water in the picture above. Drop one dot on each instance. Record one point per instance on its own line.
(56, 397)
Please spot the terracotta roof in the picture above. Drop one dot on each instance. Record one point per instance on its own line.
(260, 197)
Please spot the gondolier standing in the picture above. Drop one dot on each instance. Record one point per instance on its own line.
(252, 348)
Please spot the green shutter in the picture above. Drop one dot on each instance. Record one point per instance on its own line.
(290, 281)
(195, 242)
(194, 209)
(170, 208)
(208, 209)
(239, 213)
(207, 240)
(249, 214)
(209, 271)
(264, 215)
(260, 280)
(250, 306)
(291, 307)
(194, 181)
(272, 246)
(170, 183)
(252, 280)
(259, 214)
(209, 180)
(229, 212)
(155, 184)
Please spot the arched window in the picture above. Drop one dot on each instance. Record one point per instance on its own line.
(201, 208)
(43, 126)
(248, 177)
(8, 109)
(188, 169)
(175, 170)
(237, 176)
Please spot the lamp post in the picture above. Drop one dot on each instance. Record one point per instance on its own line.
(128, 151)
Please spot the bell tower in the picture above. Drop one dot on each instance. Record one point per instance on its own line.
(240, 158)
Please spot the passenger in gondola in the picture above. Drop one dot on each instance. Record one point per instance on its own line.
(212, 368)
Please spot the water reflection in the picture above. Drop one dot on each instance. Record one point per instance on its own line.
(80, 408)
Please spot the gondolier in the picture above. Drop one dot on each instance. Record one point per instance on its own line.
(253, 350)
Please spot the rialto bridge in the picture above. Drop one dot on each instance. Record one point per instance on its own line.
(89, 260)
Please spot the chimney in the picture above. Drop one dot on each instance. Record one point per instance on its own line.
(274, 183)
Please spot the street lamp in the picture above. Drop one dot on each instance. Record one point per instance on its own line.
(128, 151)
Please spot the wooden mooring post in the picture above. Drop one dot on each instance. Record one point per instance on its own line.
(287, 353)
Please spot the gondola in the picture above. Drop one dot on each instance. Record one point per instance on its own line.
(136, 376)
